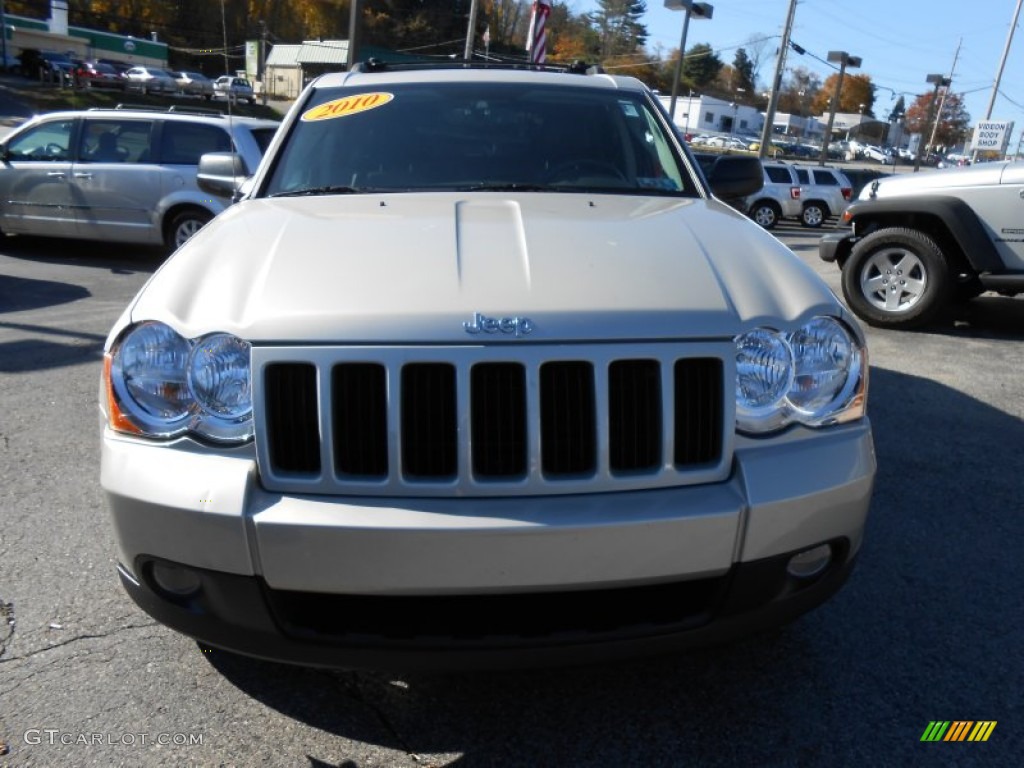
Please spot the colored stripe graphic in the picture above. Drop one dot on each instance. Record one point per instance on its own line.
(982, 730)
(935, 730)
(958, 730)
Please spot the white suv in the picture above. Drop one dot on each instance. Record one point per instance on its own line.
(121, 175)
(824, 193)
(478, 371)
(777, 199)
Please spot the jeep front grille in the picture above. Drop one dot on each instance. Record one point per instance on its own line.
(480, 421)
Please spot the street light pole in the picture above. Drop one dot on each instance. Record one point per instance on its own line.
(698, 11)
(844, 60)
(939, 81)
(353, 34)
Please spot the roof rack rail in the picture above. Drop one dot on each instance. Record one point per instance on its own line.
(195, 110)
(174, 109)
(378, 65)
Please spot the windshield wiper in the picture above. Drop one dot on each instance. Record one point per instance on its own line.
(507, 187)
(325, 190)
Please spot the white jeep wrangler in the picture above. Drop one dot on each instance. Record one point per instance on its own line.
(477, 371)
(922, 241)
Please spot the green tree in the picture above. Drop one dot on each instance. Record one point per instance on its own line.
(618, 24)
(743, 74)
(700, 67)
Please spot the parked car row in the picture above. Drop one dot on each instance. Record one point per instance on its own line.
(810, 194)
(55, 66)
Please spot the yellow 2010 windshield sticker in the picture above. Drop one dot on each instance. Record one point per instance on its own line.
(350, 105)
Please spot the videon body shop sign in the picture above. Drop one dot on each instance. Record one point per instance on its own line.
(992, 136)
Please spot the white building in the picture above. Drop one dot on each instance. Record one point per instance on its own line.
(707, 114)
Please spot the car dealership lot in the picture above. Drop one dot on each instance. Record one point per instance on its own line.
(928, 627)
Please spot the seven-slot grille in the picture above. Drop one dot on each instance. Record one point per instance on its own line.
(486, 421)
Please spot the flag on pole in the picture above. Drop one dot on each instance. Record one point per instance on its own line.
(537, 37)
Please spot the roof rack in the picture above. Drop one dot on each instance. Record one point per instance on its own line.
(174, 108)
(379, 65)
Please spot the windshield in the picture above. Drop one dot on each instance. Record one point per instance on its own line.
(472, 136)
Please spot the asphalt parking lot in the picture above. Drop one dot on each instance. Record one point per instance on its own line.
(929, 627)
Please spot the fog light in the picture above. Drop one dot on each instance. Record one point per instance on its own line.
(810, 562)
(174, 579)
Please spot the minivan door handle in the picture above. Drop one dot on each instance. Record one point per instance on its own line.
(56, 174)
(83, 175)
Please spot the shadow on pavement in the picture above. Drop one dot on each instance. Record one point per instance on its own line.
(119, 258)
(21, 293)
(928, 626)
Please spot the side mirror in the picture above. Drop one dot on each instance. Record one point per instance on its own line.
(735, 176)
(221, 173)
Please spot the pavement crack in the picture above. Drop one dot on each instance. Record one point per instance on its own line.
(6, 626)
(75, 639)
(349, 684)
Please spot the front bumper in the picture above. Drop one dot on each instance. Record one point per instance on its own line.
(242, 614)
(465, 582)
(836, 247)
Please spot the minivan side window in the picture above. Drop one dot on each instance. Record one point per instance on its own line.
(48, 141)
(184, 143)
(115, 141)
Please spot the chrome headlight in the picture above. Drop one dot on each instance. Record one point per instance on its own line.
(815, 375)
(160, 384)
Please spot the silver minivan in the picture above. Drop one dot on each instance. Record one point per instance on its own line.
(119, 175)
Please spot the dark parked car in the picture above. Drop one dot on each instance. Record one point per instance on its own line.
(119, 66)
(95, 74)
(56, 67)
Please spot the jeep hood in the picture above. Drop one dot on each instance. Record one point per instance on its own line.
(936, 182)
(413, 268)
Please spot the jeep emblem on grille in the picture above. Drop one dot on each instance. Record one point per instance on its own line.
(517, 326)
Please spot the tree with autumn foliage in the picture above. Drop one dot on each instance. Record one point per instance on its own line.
(954, 121)
(800, 91)
(857, 95)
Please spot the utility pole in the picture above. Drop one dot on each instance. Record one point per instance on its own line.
(942, 101)
(999, 70)
(470, 31)
(773, 99)
(3, 34)
(940, 81)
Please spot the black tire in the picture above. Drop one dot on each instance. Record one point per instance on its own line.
(766, 213)
(183, 225)
(897, 278)
(815, 213)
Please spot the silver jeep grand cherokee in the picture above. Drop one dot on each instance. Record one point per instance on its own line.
(479, 372)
